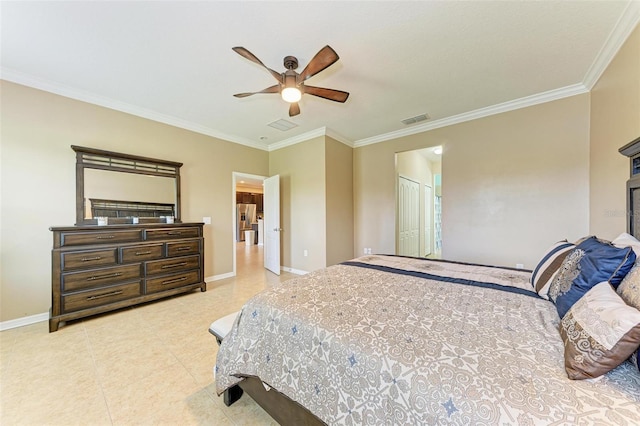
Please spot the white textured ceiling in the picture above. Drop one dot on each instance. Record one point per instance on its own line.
(172, 61)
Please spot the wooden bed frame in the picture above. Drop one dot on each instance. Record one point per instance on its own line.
(288, 412)
(279, 406)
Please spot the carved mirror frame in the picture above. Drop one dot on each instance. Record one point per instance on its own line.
(91, 158)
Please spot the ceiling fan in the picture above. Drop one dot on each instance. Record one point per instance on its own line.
(291, 84)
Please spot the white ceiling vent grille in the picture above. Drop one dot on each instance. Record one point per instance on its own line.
(282, 125)
(416, 119)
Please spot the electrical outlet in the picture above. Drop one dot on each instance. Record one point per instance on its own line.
(206, 220)
(306, 253)
(365, 250)
(519, 265)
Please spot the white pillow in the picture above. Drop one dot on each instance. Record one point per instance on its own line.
(627, 240)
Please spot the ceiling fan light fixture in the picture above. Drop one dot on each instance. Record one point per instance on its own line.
(291, 94)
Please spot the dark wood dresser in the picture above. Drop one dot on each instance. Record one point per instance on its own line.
(97, 269)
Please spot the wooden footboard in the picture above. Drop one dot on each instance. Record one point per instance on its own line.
(283, 410)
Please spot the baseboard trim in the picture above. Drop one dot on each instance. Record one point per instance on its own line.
(21, 322)
(219, 277)
(294, 271)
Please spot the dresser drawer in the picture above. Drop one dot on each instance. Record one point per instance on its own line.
(99, 277)
(100, 237)
(172, 265)
(180, 248)
(168, 282)
(88, 259)
(165, 233)
(138, 253)
(101, 296)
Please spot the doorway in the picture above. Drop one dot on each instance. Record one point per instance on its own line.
(418, 197)
(247, 213)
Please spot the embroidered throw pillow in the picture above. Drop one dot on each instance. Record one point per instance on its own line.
(591, 262)
(629, 289)
(600, 332)
(548, 267)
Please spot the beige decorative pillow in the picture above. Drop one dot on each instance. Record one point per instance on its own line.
(599, 332)
(629, 288)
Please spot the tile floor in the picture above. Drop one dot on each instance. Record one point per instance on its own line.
(151, 364)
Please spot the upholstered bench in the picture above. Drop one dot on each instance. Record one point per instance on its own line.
(220, 328)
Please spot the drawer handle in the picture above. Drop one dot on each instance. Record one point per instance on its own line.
(105, 237)
(177, 280)
(102, 277)
(183, 248)
(100, 296)
(140, 253)
(174, 233)
(87, 259)
(174, 265)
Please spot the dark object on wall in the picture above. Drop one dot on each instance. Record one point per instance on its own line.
(632, 150)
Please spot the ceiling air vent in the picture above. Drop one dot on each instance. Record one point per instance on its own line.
(282, 125)
(416, 119)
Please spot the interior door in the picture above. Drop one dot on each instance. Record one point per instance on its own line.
(408, 217)
(272, 224)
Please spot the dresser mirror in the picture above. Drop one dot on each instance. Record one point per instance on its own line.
(125, 188)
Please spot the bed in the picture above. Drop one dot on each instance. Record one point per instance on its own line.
(395, 340)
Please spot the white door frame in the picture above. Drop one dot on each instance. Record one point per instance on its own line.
(237, 176)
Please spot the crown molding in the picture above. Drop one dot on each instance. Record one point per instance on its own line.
(337, 136)
(84, 96)
(539, 98)
(620, 33)
(320, 131)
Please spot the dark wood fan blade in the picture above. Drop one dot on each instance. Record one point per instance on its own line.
(294, 109)
(323, 59)
(272, 89)
(250, 56)
(331, 94)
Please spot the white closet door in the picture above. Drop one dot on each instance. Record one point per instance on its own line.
(408, 217)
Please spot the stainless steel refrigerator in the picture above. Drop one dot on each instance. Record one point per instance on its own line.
(245, 218)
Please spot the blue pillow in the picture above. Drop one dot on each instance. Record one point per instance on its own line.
(591, 262)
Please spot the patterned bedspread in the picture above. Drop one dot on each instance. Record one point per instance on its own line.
(394, 340)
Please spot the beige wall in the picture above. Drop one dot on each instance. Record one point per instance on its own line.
(615, 121)
(38, 183)
(512, 184)
(339, 201)
(302, 203)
